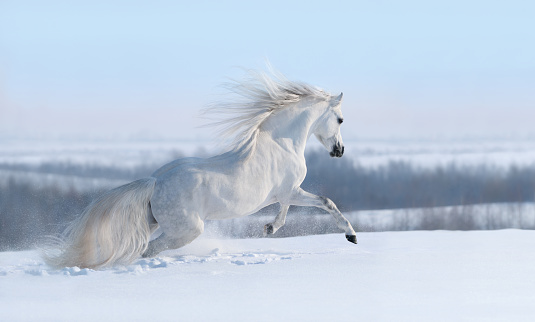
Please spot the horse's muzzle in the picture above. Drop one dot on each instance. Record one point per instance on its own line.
(338, 151)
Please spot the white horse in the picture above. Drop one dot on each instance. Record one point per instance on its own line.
(265, 165)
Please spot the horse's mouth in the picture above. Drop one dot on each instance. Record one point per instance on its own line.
(337, 152)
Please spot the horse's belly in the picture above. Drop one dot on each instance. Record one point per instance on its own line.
(239, 207)
(215, 193)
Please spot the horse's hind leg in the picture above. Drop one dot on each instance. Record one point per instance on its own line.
(178, 231)
(270, 229)
(164, 242)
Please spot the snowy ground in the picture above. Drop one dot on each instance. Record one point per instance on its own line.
(388, 276)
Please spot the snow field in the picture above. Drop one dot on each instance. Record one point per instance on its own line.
(388, 276)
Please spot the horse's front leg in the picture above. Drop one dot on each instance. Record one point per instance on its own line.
(270, 229)
(302, 198)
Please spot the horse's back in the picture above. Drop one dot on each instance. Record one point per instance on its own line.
(173, 165)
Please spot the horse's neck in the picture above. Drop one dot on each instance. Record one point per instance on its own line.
(289, 128)
(283, 135)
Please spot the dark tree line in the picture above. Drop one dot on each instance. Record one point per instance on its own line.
(402, 185)
(28, 211)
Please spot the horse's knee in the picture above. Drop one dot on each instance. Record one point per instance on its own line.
(184, 238)
(196, 226)
(195, 231)
(165, 242)
(328, 203)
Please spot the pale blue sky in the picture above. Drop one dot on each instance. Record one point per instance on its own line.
(407, 68)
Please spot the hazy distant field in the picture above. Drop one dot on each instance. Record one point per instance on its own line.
(37, 161)
(381, 184)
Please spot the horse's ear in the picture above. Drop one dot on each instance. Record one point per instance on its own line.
(338, 99)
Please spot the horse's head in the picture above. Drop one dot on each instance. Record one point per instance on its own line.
(327, 128)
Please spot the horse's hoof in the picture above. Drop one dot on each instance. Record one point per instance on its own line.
(145, 255)
(352, 238)
(268, 229)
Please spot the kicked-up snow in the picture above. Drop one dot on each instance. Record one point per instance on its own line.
(388, 276)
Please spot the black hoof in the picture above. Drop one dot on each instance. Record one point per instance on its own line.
(352, 238)
(269, 229)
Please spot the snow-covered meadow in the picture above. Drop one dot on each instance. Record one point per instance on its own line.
(388, 276)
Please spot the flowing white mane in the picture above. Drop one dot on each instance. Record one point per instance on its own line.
(257, 97)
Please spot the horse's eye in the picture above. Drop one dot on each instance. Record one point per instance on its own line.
(340, 120)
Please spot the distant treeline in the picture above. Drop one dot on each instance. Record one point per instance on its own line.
(402, 185)
(28, 211)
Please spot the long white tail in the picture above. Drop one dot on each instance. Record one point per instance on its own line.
(113, 229)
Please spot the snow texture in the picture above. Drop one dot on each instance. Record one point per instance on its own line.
(388, 276)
